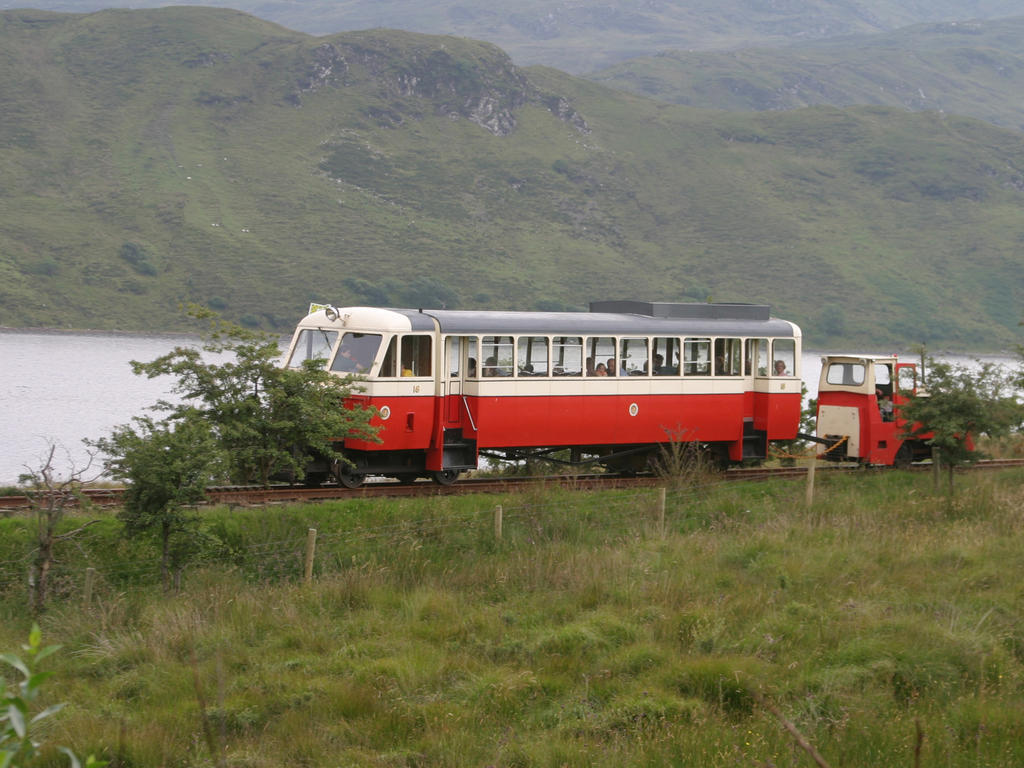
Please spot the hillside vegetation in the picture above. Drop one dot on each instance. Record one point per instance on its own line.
(884, 624)
(969, 68)
(151, 157)
(583, 36)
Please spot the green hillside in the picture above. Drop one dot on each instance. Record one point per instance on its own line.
(583, 36)
(153, 157)
(969, 68)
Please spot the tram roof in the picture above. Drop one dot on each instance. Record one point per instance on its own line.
(715, 320)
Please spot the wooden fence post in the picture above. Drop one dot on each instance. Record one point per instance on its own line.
(661, 512)
(90, 579)
(310, 554)
(810, 481)
(498, 515)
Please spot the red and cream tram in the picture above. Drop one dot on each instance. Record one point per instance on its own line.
(606, 386)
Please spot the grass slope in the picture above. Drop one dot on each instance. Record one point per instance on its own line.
(151, 157)
(583, 638)
(584, 36)
(968, 68)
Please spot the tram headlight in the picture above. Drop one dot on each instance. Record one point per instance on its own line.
(332, 313)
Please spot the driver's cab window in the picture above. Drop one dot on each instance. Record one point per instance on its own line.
(845, 374)
(356, 353)
(312, 344)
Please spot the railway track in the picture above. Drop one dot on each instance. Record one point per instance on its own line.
(255, 496)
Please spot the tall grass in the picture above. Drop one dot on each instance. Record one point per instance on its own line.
(583, 638)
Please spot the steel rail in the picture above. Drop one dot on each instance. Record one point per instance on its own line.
(257, 496)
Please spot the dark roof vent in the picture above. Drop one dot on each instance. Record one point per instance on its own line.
(693, 310)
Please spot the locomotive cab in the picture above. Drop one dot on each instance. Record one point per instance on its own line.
(860, 400)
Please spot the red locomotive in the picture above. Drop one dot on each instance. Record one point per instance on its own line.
(607, 386)
(860, 398)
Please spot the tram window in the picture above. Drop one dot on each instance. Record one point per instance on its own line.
(750, 356)
(312, 344)
(761, 360)
(387, 368)
(784, 357)
(497, 352)
(845, 374)
(633, 357)
(416, 355)
(453, 347)
(727, 357)
(356, 353)
(567, 356)
(697, 357)
(533, 356)
(472, 351)
(601, 352)
(665, 357)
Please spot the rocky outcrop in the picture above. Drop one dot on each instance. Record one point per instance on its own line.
(456, 79)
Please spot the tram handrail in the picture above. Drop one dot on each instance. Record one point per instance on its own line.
(469, 413)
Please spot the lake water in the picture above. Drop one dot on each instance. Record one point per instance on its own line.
(58, 388)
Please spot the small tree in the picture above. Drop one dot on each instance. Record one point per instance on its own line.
(267, 420)
(959, 406)
(50, 494)
(166, 467)
(19, 722)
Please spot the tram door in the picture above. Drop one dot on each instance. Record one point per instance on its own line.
(454, 370)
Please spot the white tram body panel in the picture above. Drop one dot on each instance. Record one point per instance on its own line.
(448, 384)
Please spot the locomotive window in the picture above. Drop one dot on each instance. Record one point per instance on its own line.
(665, 357)
(727, 357)
(883, 378)
(697, 357)
(497, 352)
(632, 357)
(533, 356)
(601, 356)
(784, 357)
(845, 374)
(416, 355)
(356, 353)
(312, 344)
(567, 356)
(907, 376)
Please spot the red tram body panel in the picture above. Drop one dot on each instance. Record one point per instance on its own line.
(607, 385)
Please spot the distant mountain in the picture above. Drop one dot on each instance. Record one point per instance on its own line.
(584, 35)
(971, 68)
(185, 154)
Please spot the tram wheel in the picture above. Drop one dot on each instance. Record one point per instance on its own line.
(445, 476)
(345, 476)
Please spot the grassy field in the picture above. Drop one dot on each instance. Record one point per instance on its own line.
(586, 636)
